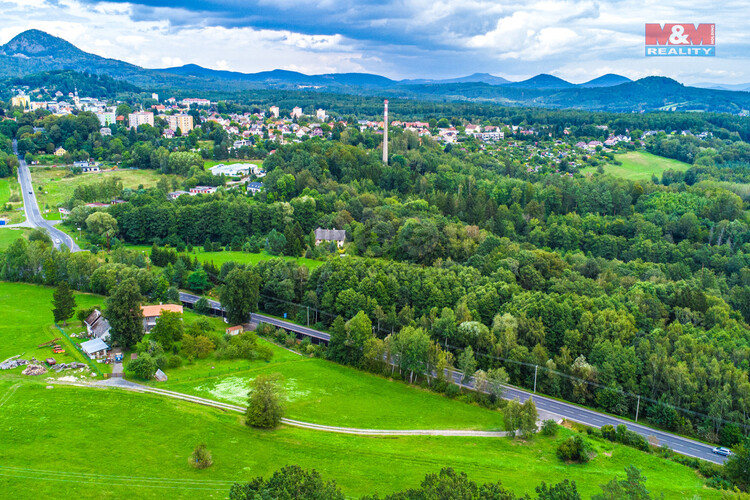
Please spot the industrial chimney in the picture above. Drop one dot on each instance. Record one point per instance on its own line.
(385, 133)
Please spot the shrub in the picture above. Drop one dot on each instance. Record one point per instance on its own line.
(573, 449)
(549, 428)
(201, 457)
(174, 361)
(608, 432)
(265, 406)
(452, 390)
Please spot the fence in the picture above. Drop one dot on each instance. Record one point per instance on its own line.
(89, 361)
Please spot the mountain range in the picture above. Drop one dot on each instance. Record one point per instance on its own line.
(35, 51)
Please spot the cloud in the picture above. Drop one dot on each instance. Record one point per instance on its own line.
(396, 38)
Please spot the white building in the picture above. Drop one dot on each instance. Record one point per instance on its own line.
(274, 111)
(296, 112)
(106, 118)
(321, 114)
(135, 120)
(232, 170)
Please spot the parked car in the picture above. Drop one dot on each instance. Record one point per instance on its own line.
(724, 452)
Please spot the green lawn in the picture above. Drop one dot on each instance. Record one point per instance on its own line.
(219, 258)
(58, 187)
(9, 188)
(639, 166)
(212, 163)
(9, 235)
(98, 443)
(28, 322)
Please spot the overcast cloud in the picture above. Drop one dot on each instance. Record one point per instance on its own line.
(573, 39)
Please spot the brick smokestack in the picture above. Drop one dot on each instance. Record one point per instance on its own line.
(385, 133)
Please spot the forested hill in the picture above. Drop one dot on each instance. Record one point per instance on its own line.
(35, 51)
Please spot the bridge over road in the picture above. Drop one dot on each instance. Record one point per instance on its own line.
(563, 409)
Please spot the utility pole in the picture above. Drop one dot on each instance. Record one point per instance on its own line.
(637, 408)
(308, 315)
(536, 368)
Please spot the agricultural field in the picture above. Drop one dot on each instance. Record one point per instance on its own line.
(147, 440)
(57, 184)
(640, 166)
(219, 258)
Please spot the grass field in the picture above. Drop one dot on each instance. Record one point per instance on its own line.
(9, 188)
(28, 322)
(118, 437)
(8, 236)
(57, 188)
(639, 166)
(219, 258)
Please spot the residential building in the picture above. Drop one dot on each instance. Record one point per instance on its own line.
(97, 326)
(139, 118)
(198, 102)
(21, 101)
(106, 118)
(95, 348)
(60, 151)
(105, 131)
(176, 194)
(151, 313)
(321, 115)
(254, 187)
(296, 112)
(202, 190)
(274, 111)
(155, 97)
(326, 235)
(182, 121)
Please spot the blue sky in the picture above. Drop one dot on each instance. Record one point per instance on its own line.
(574, 39)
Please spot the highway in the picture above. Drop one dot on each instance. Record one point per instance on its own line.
(33, 216)
(565, 410)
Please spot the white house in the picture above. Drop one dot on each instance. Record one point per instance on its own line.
(254, 187)
(97, 326)
(326, 235)
(95, 349)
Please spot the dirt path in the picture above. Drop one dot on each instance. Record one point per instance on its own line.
(126, 384)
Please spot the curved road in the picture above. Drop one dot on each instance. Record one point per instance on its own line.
(33, 216)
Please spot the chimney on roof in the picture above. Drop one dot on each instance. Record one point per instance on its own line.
(385, 132)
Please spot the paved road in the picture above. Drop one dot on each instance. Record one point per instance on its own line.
(593, 418)
(565, 410)
(33, 216)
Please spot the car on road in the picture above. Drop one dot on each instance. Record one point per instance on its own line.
(30, 192)
(724, 452)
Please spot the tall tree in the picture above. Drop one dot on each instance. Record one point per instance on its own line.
(266, 404)
(124, 314)
(63, 302)
(168, 329)
(239, 295)
(102, 224)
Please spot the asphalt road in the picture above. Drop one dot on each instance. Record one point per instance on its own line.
(565, 410)
(33, 216)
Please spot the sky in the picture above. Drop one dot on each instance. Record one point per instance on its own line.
(574, 39)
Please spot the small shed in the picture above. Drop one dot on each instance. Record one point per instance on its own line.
(160, 376)
(50, 361)
(235, 330)
(95, 348)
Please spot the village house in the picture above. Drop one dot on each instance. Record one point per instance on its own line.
(60, 151)
(97, 325)
(254, 187)
(151, 313)
(235, 330)
(176, 194)
(326, 235)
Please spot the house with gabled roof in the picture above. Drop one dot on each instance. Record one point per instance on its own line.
(97, 325)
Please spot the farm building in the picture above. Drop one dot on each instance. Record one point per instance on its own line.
(95, 348)
(97, 326)
(326, 235)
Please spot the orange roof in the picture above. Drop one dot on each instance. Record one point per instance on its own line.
(233, 328)
(152, 311)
